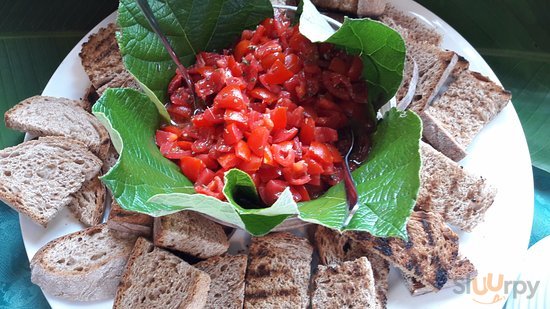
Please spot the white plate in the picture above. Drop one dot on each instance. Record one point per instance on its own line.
(499, 153)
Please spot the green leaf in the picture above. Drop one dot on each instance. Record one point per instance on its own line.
(191, 27)
(381, 48)
(387, 183)
(144, 181)
(514, 38)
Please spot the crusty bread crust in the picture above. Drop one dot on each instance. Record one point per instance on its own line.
(88, 204)
(129, 221)
(61, 268)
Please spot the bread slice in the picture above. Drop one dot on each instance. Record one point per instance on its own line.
(430, 255)
(38, 177)
(110, 160)
(418, 31)
(460, 197)
(88, 204)
(129, 222)
(470, 102)
(82, 266)
(227, 280)
(346, 285)
(278, 272)
(155, 278)
(335, 248)
(371, 8)
(49, 116)
(191, 233)
(102, 61)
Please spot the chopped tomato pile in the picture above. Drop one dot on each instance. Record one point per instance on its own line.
(275, 103)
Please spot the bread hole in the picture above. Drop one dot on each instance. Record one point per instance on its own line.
(223, 268)
(79, 161)
(61, 261)
(217, 295)
(7, 173)
(79, 239)
(70, 262)
(79, 268)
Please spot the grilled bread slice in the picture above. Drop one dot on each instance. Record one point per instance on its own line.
(278, 272)
(346, 285)
(460, 197)
(82, 266)
(430, 255)
(227, 280)
(155, 278)
(102, 62)
(335, 248)
(88, 204)
(190, 232)
(38, 177)
(50, 116)
(470, 102)
(129, 221)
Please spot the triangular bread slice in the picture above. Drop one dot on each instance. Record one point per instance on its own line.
(460, 197)
(191, 233)
(49, 116)
(227, 281)
(469, 103)
(278, 272)
(346, 285)
(335, 248)
(88, 204)
(102, 61)
(129, 221)
(38, 177)
(82, 266)
(430, 255)
(155, 278)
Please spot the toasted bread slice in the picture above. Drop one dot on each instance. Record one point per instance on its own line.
(88, 204)
(38, 177)
(460, 197)
(155, 278)
(102, 61)
(278, 272)
(129, 222)
(470, 102)
(430, 255)
(82, 266)
(227, 280)
(49, 116)
(191, 233)
(346, 285)
(335, 248)
(418, 31)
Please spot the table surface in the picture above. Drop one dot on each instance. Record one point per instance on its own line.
(36, 41)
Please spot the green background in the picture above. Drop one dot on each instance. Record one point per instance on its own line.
(513, 37)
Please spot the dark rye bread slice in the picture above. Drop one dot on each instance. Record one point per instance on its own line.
(468, 104)
(278, 272)
(346, 285)
(191, 233)
(155, 278)
(335, 248)
(50, 116)
(102, 61)
(460, 197)
(38, 177)
(430, 255)
(82, 266)
(227, 280)
(88, 204)
(129, 221)
(419, 32)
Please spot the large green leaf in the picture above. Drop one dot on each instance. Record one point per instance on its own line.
(514, 38)
(190, 26)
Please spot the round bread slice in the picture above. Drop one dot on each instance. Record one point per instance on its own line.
(82, 266)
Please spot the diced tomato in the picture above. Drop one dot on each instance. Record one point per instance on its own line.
(278, 73)
(208, 161)
(338, 65)
(293, 63)
(263, 94)
(191, 167)
(268, 48)
(325, 135)
(272, 191)
(242, 48)
(295, 118)
(242, 151)
(180, 112)
(299, 193)
(278, 116)
(251, 165)
(307, 131)
(205, 177)
(314, 167)
(268, 60)
(268, 157)
(214, 188)
(231, 116)
(296, 174)
(162, 137)
(257, 141)
(230, 97)
(284, 135)
(208, 118)
(283, 153)
(320, 153)
(228, 161)
(336, 155)
(356, 69)
(337, 84)
(211, 84)
(232, 134)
